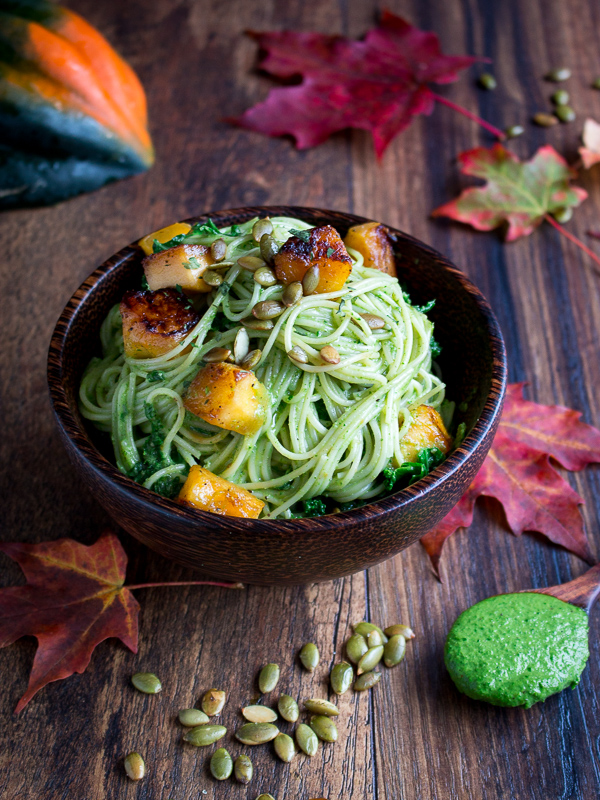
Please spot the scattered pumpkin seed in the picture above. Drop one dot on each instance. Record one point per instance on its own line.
(265, 797)
(341, 677)
(243, 769)
(373, 321)
(204, 735)
(545, 120)
(241, 345)
(265, 277)
(288, 708)
(192, 717)
(317, 706)
(596, 84)
(216, 354)
(259, 714)
(565, 113)
(146, 682)
(298, 354)
(251, 263)
(365, 628)
(268, 248)
(329, 354)
(218, 249)
(268, 309)
(258, 324)
(400, 630)
(374, 639)
(309, 656)
(394, 650)
(256, 733)
(563, 214)
(251, 360)
(221, 764)
(307, 739)
(213, 702)
(292, 293)
(268, 678)
(356, 647)
(134, 766)
(513, 131)
(370, 659)
(559, 74)
(262, 227)
(212, 277)
(366, 681)
(311, 278)
(487, 81)
(560, 97)
(284, 747)
(324, 727)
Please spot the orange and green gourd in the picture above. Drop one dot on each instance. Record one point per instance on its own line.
(72, 112)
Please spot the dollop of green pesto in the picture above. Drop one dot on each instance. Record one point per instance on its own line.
(517, 649)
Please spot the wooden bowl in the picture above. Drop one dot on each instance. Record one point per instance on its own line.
(473, 363)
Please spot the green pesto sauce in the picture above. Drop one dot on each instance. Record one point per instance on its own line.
(517, 649)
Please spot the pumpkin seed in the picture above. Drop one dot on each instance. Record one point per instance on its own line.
(268, 309)
(309, 656)
(284, 747)
(218, 249)
(216, 354)
(243, 769)
(329, 354)
(306, 739)
(221, 764)
(341, 677)
(256, 733)
(265, 797)
(262, 227)
(394, 651)
(268, 248)
(323, 707)
(292, 293)
(560, 97)
(204, 735)
(311, 278)
(370, 659)
(251, 263)
(288, 708)
(192, 717)
(258, 324)
(513, 131)
(298, 354)
(374, 639)
(268, 678)
(373, 321)
(251, 360)
(366, 681)
(146, 682)
(259, 714)
(400, 630)
(213, 702)
(559, 74)
(265, 277)
(241, 345)
(134, 766)
(565, 113)
(365, 628)
(487, 81)
(212, 277)
(596, 84)
(324, 727)
(545, 120)
(356, 647)
(563, 214)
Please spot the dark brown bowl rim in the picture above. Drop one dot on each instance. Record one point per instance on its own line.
(73, 427)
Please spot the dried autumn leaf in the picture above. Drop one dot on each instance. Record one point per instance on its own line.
(518, 473)
(378, 84)
(590, 152)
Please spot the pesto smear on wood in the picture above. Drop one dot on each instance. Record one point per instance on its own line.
(517, 649)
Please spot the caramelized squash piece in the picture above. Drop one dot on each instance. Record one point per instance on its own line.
(163, 235)
(208, 492)
(325, 249)
(182, 265)
(229, 397)
(426, 430)
(372, 241)
(155, 322)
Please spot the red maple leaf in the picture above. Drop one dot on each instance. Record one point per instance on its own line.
(73, 600)
(519, 474)
(378, 84)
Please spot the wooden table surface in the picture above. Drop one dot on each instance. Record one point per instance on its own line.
(414, 737)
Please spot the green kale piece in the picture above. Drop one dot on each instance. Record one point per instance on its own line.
(395, 478)
(427, 307)
(155, 376)
(304, 235)
(314, 507)
(436, 347)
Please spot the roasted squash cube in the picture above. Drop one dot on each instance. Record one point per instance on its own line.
(324, 248)
(163, 235)
(229, 397)
(372, 241)
(182, 265)
(426, 430)
(208, 492)
(155, 322)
